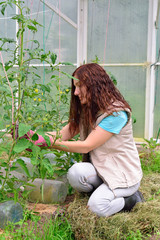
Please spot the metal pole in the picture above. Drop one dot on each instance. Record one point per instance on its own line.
(150, 77)
(82, 22)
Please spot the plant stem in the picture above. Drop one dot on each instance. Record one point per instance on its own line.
(8, 166)
(9, 87)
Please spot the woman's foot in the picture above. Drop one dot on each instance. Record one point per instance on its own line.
(131, 201)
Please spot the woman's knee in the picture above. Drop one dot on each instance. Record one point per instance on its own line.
(78, 175)
(74, 174)
(98, 205)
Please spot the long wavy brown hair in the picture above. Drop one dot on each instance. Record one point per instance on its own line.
(102, 96)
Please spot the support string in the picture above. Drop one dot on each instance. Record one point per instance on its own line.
(9, 87)
(59, 55)
(106, 32)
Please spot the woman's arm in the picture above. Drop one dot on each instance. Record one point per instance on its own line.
(64, 133)
(64, 136)
(95, 139)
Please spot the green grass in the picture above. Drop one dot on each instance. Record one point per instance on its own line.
(57, 228)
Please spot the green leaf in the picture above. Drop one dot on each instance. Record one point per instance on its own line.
(32, 28)
(35, 137)
(8, 40)
(36, 23)
(40, 131)
(68, 75)
(48, 166)
(3, 8)
(34, 160)
(10, 184)
(18, 17)
(2, 124)
(45, 88)
(4, 164)
(43, 57)
(112, 78)
(7, 107)
(53, 76)
(67, 63)
(3, 89)
(36, 42)
(29, 184)
(53, 58)
(13, 168)
(23, 165)
(37, 75)
(35, 149)
(2, 3)
(23, 129)
(21, 145)
(43, 173)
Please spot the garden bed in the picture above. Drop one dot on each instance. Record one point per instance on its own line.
(75, 221)
(143, 222)
(39, 217)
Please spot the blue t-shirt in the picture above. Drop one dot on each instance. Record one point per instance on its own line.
(115, 122)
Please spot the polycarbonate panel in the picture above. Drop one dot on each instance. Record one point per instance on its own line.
(7, 30)
(45, 75)
(45, 78)
(131, 83)
(157, 105)
(56, 35)
(126, 35)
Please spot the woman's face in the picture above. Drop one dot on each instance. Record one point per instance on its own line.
(80, 91)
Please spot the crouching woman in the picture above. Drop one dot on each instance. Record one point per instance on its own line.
(111, 169)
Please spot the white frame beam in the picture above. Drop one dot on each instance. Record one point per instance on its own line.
(81, 26)
(82, 22)
(157, 17)
(150, 78)
(59, 13)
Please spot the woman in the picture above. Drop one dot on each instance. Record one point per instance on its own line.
(111, 169)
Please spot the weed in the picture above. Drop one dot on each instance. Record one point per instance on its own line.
(38, 228)
(150, 156)
(134, 235)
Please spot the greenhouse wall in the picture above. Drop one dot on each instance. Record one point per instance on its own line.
(113, 33)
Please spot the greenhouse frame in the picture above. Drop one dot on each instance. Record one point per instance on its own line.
(123, 36)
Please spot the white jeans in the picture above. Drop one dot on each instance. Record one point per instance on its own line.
(103, 201)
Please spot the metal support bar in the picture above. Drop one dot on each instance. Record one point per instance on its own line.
(104, 65)
(57, 11)
(82, 32)
(145, 64)
(157, 17)
(150, 78)
(45, 64)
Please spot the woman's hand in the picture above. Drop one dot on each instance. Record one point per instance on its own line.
(96, 138)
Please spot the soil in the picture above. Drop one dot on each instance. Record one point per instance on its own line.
(50, 208)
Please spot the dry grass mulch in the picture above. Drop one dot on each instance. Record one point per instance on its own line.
(145, 217)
